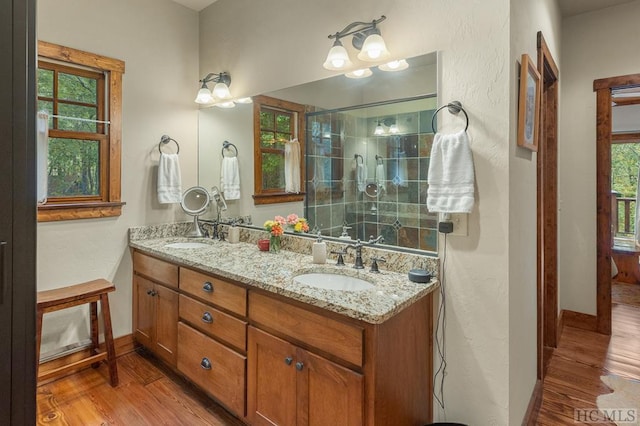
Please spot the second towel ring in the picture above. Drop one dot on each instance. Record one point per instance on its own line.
(228, 145)
(165, 139)
(454, 107)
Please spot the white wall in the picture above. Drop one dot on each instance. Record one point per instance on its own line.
(241, 36)
(158, 40)
(595, 45)
(527, 18)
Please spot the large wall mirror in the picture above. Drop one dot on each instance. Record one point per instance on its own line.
(367, 154)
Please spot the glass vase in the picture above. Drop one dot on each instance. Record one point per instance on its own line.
(274, 243)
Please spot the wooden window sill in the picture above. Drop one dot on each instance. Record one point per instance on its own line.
(58, 211)
(278, 197)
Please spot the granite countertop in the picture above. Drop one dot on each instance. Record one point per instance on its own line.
(274, 272)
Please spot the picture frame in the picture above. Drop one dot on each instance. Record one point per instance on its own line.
(528, 105)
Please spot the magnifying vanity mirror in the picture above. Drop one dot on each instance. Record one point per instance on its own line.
(385, 119)
(195, 201)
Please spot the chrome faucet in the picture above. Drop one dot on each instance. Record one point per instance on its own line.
(373, 240)
(358, 246)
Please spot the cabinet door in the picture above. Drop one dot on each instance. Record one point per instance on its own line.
(143, 311)
(271, 389)
(328, 394)
(166, 341)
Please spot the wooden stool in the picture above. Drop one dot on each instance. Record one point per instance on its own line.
(79, 294)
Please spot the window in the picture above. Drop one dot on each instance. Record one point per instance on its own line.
(625, 157)
(275, 122)
(82, 93)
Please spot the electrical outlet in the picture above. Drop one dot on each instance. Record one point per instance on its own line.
(460, 224)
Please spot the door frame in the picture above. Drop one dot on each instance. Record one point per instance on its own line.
(547, 202)
(603, 88)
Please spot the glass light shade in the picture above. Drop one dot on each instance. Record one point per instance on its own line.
(221, 91)
(394, 129)
(374, 49)
(228, 104)
(247, 100)
(398, 65)
(338, 58)
(204, 96)
(379, 130)
(362, 73)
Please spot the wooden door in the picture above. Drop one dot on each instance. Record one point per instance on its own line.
(271, 387)
(143, 311)
(17, 219)
(328, 394)
(166, 323)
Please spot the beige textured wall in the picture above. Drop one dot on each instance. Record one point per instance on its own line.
(527, 18)
(266, 49)
(158, 40)
(594, 45)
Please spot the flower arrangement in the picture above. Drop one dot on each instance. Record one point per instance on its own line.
(276, 228)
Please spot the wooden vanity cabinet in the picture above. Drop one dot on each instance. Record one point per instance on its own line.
(155, 306)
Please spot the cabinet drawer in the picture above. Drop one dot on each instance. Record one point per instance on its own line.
(225, 376)
(214, 290)
(212, 321)
(156, 269)
(340, 339)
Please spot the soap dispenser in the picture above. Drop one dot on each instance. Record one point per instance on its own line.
(319, 250)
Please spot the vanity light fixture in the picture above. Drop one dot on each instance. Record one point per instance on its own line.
(220, 90)
(226, 104)
(393, 129)
(246, 100)
(366, 38)
(389, 122)
(397, 65)
(379, 129)
(362, 73)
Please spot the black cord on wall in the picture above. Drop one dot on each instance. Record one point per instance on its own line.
(441, 372)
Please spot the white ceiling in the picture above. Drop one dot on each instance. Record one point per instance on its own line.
(575, 7)
(196, 5)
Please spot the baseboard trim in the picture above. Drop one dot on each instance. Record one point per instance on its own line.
(578, 320)
(531, 416)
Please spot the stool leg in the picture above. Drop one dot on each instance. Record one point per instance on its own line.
(38, 340)
(95, 342)
(108, 339)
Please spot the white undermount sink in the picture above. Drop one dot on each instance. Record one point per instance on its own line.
(329, 281)
(188, 245)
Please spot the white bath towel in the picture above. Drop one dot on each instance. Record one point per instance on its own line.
(292, 166)
(230, 178)
(361, 176)
(169, 180)
(451, 174)
(42, 151)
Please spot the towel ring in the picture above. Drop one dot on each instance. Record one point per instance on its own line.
(379, 159)
(228, 145)
(361, 159)
(454, 108)
(165, 139)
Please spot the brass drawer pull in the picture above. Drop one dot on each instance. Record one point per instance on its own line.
(207, 318)
(208, 287)
(205, 363)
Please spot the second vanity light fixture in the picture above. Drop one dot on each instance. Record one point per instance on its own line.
(220, 90)
(366, 38)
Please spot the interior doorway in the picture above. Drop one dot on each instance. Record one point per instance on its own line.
(547, 183)
(604, 100)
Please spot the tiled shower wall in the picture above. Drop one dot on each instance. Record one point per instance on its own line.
(338, 140)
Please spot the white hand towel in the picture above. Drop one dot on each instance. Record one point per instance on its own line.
(42, 150)
(451, 174)
(292, 166)
(380, 175)
(361, 177)
(169, 180)
(230, 178)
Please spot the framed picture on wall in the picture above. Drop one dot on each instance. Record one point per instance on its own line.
(528, 104)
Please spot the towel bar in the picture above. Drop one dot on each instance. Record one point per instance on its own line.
(228, 145)
(165, 139)
(454, 107)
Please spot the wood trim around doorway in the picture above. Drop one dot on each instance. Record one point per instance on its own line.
(603, 88)
(547, 205)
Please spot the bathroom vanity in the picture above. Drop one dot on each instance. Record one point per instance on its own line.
(232, 320)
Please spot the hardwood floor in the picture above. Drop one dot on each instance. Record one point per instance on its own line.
(573, 377)
(147, 395)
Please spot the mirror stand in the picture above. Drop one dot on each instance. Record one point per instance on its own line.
(196, 231)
